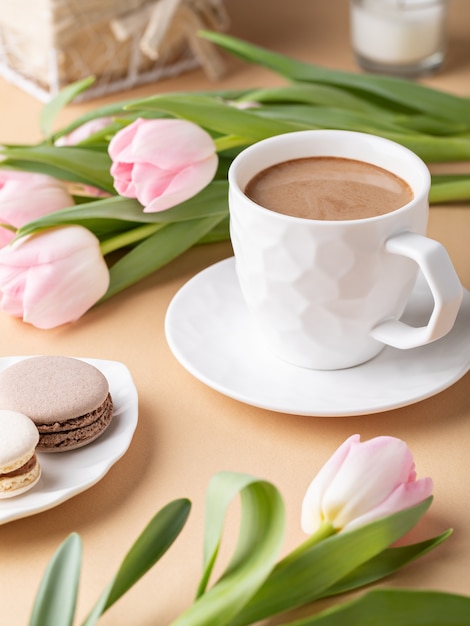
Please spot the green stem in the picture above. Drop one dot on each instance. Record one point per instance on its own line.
(325, 531)
(129, 237)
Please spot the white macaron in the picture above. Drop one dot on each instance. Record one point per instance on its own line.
(19, 467)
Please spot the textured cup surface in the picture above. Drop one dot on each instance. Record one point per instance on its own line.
(316, 288)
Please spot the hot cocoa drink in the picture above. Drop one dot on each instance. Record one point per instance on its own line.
(328, 188)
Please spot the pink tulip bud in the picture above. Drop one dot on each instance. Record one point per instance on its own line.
(52, 277)
(162, 162)
(362, 482)
(25, 197)
(84, 131)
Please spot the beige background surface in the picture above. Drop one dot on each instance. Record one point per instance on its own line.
(188, 432)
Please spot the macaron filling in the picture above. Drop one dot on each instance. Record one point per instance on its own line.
(24, 469)
(20, 480)
(75, 432)
(19, 466)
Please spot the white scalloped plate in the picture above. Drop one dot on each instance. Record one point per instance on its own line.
(208, 330)
(66, 474)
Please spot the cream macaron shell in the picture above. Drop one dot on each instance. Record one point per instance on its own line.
(18, 440)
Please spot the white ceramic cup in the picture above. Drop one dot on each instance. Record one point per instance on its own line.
(329, 294)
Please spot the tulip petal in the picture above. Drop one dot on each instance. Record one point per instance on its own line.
(162, 162)
(6, 236)
(52, 277)
(11, 295)
(150, 182)
(311, 516)
(25, 196)
(370, 473)
(186, 184)
(405, 496)
(171, 143)
(77, 292)
(84, 131)
(119, 148)
(123, 183)
(24, 204)
(362, 482)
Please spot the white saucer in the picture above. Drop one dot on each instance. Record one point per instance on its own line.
(208, 330)
(65, 474)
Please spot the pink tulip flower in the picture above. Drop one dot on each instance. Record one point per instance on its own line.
(84, 131)
(162, 162)
(52, 277)
(25, 197)
(362, 482)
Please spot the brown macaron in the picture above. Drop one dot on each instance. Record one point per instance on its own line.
(67, 399)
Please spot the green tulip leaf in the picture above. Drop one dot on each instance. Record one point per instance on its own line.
(396, 93)
(56, 599)
(296, 581)
(114, 217)
(331, 117)
(309, 93)
(152, 543)
(214, 114)
(220, 232)
(212, 200)
(68, 163)
(384, 564)
(157, 250)
(99, 140)
(450, 189)
(259, 542)
(113, 209)
(392, 607)
(348, 118)
(434, 149)
(120, 110)
(65, 96)
(429, 147)
(331, 97)
(37, 167)
(115, 110)
(430, 125)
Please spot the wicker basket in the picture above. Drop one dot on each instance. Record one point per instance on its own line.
(122, 43)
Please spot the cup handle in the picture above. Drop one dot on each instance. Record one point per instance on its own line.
(445, 286)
